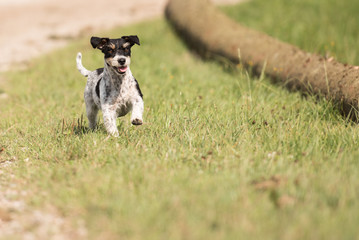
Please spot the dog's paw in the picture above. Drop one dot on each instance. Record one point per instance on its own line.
(137, 121)
(114, 134)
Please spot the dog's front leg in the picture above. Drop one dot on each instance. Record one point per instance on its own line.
(109, 119)
(137, 111)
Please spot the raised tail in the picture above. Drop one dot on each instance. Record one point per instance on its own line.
(80, 67)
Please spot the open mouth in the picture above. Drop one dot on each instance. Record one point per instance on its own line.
(122, 69)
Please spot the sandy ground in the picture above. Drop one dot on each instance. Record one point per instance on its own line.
(29, 28)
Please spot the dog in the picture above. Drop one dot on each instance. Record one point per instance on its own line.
(112, 89)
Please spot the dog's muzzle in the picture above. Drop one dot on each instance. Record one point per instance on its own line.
(122, 68)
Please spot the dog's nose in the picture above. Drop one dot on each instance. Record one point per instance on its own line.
(122, 61)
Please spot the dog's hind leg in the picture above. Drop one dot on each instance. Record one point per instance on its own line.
(92, 117)
(91, 111)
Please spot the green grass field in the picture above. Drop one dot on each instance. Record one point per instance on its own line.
(329, 27)
(222, 155)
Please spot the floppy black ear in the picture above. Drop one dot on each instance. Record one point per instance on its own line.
(99, 43)
(132, 40)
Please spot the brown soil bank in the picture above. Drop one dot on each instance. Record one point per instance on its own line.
(212, 33)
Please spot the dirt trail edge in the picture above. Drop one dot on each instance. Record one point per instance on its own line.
(212, 33)
(30, 28)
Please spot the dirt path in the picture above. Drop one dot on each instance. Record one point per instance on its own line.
(29, 28)
(32, 27)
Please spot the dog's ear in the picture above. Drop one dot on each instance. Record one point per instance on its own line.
(130, 40)
(99, 43)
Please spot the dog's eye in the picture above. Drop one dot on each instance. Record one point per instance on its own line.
(126, 50)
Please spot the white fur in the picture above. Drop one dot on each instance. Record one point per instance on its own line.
(80, 67)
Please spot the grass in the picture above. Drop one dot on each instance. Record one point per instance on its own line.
(327, 27)
(221, 155)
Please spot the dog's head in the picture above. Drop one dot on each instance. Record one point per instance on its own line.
(117, 51)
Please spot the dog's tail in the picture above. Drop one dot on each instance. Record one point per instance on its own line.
(80, 67)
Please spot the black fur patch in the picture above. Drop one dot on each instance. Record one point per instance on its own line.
(138, 89)
(98, 72)
(98, 88)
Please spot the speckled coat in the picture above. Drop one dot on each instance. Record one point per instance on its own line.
(116, 94)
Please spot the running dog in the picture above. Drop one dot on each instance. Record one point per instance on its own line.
(112, 89)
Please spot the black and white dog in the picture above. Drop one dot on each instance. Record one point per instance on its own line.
(112, 89)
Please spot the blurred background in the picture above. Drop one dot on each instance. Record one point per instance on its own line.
(32, 27)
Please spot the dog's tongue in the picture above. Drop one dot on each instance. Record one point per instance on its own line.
(122, 69)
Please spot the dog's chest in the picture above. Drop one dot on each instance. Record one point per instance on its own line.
(120, 95)
(123, 96)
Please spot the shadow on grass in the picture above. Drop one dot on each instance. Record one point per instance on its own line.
(74, 127)
(79, 127)
(348, 113)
